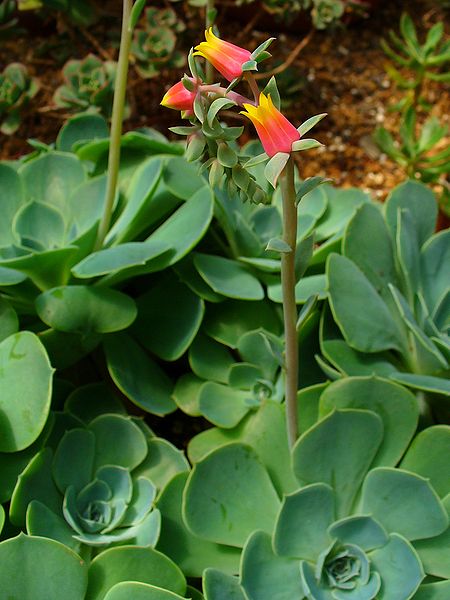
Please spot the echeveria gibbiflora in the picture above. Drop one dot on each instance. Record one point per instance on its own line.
(94, 490)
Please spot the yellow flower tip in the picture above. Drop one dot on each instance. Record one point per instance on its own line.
(211, 37)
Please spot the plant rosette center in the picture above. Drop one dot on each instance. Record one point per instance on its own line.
(102, 506)
(345, 570)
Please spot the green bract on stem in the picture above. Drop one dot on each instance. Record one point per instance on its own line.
(116, 121)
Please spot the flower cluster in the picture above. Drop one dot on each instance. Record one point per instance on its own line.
(201, 102)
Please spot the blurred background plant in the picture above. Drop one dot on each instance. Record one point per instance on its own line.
(323, 13)
(80, 12)
(418, 62)
(153, 45)
(17, 88)
(420, 148)
(8, 19)
(88, 86)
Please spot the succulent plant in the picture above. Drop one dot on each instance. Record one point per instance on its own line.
(153, 46)
(331, 524)
(17, 88)
(223, 390)
(395, 320)
(88, 86)
(420, 153)
(325, 12)
(95, 489)
(427, 61)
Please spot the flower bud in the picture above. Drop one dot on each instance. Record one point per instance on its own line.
(180, 98)
(276, 133)
(225, 57)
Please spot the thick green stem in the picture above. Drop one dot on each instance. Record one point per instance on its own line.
(289, 305)
(116, 123)
(209, 22)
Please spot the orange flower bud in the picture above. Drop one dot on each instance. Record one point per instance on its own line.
(276, 133)
(225, 57)
(180, 98)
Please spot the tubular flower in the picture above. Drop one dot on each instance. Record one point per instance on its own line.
(225, 57)
(180, 98)
(276, 133)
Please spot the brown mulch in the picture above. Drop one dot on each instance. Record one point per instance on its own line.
(340, 72)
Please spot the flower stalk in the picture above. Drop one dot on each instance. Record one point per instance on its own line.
(288, 281)
(116, 122)
(207, 136)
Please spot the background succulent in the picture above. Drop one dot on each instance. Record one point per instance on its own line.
(88, 86)
(17, 88)
(325, 12)
(80, 12)
(153, 45)
(416, 63)
(8, 20)
(395, 321)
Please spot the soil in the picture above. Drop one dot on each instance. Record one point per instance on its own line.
(340, 72)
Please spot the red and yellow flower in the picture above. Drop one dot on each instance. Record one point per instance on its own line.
(180, 98)
(225, 57)
(277, 134)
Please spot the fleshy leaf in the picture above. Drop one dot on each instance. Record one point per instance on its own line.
(219, 586)
(131, 563)
(25, 390)
(264, 575)
(419, 200)
(191, 553)
(399, 567)
(139, 591)
(435, 552)
(303, 521)
(228, 277)
(74, 460)
(428, 456)
(85, 309)
(228, 495)
(396, 406)
(408, 505)
(137, 375)
(364, 532)
(119, 442)
(171, 302)
(311, 587)
(338, 451)
(48, 569)
(362, 316)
